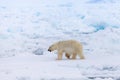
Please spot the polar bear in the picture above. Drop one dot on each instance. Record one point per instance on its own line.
(69, 47)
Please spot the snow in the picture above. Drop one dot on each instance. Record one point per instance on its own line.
(29, 27)
(45, 67)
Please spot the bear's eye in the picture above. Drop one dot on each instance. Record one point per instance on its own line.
(50, 47)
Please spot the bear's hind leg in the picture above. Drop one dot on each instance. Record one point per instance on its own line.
(80, 54)
(74, 56)
(67, 55)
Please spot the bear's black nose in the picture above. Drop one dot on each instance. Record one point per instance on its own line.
(49, 50)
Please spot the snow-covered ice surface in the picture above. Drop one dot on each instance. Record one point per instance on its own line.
(28, 27)
(45, 67)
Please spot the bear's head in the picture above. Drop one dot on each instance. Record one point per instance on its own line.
(52, 48)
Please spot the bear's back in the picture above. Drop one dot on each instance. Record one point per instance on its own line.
(69, 43)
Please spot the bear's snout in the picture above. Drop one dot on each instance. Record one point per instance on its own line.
(49, 50)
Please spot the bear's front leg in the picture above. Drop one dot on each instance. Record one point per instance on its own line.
(60, 54)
